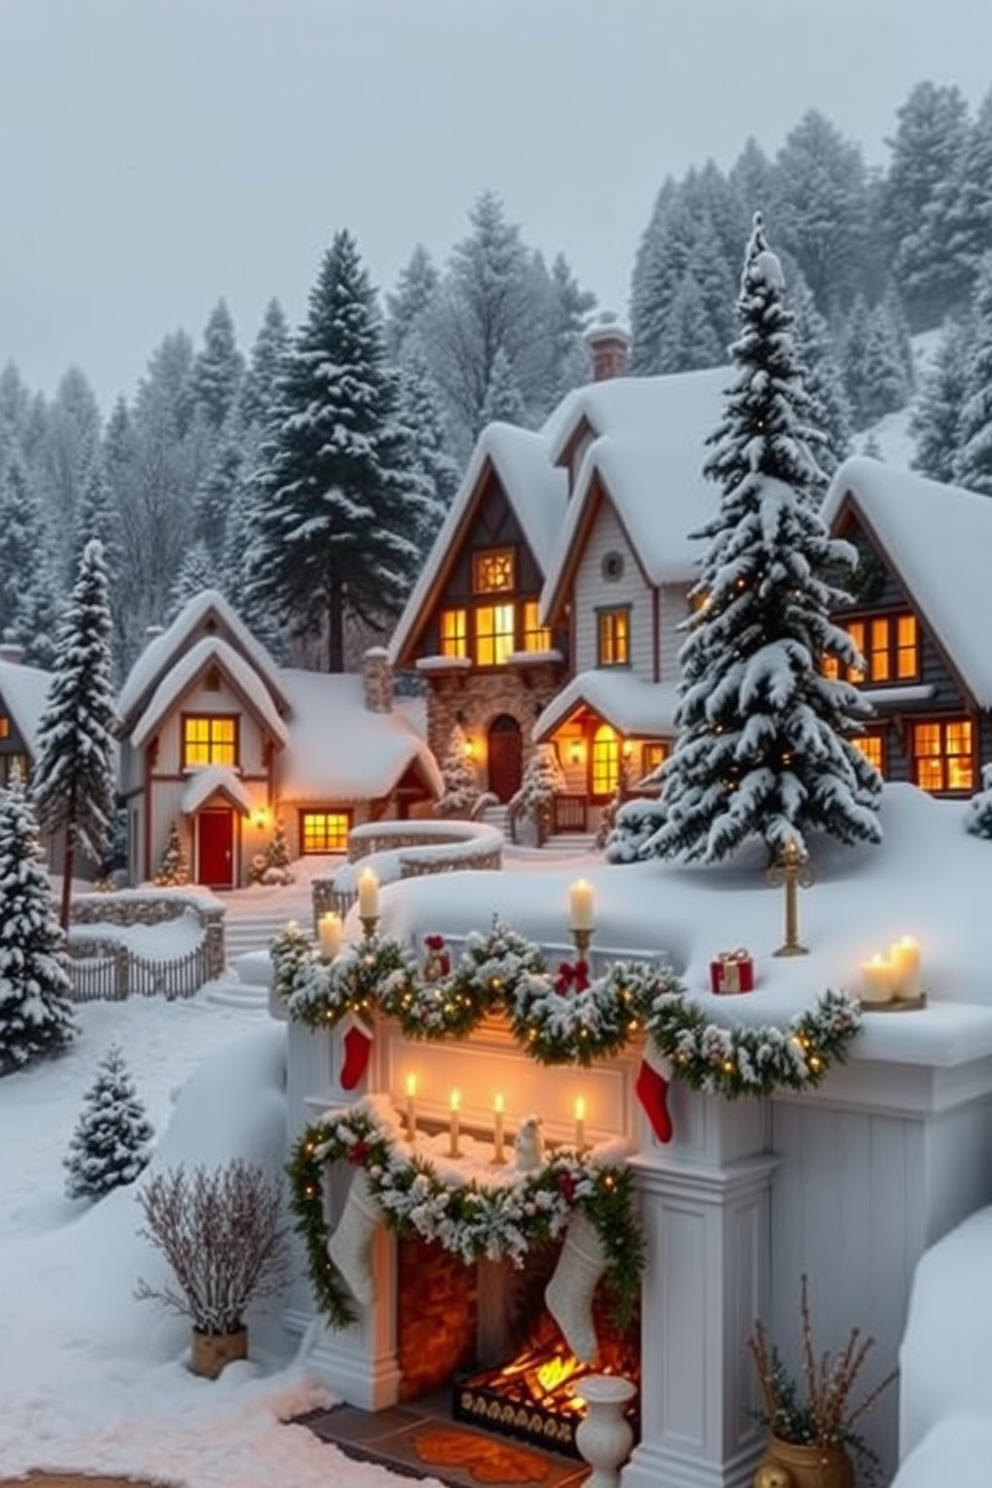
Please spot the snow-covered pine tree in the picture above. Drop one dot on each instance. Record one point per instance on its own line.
(886, 386)
(531, 809)
(973, 461)
(73, 785)
(854, 360)
(264, 366)
(173, 870)
(22, 575)
(416, 293)
(110, 1145)
(215, 380)
(36, 1016)
(937, 415)
(432, 461)
(335, 534)
(461, 784)
(218, 490)
(197, 572)
(830, 410)
(978, 819)
(764, 748)
(503, 402)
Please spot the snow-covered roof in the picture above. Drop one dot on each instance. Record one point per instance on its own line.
(159, 655)
(536, 490)
(23, 694)
(938, 539)
(342, 751)
(648, 457)
(183, 673)
(205, 780)
(628, 703)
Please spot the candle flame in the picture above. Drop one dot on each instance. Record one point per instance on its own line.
(411, 1084)
(498, 1105)
(580, 1109)
(456, 1099)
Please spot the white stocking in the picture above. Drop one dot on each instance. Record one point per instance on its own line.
(350, 1247)
(569, 1293)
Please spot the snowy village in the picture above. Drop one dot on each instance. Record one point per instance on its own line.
(495, 815)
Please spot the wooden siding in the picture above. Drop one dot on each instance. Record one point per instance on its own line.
(592, 592)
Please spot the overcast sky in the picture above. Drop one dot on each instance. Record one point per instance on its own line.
(157, 154)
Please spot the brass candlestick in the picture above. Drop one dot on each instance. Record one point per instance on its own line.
(582, 940)
(369, 925)
(794, 870)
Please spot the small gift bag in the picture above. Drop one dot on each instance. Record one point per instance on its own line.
(732, 971)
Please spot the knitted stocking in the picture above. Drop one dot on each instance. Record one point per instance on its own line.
(350, 1247)
(569, 1293)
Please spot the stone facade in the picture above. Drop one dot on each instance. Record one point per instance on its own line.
(377, 675)
(473, 700)
(155, 909)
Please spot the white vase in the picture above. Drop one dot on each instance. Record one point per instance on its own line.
(605, 1436)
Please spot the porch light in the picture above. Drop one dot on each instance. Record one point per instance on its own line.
(575, 752)
(470, 749)
(261, 816)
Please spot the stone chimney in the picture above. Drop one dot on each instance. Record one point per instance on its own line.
(12, 652)
(377, 676)
(608, 345)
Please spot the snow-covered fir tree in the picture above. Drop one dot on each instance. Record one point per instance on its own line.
(765, 737)
(218, 490)
(854, 360)
(36, 1016)
(264, 367)
(885, 385)
(110, 1145)
(336, 532)
(531, 809)
(504, 401)
(26, 579)
(198, 571)
(830, 410)
(273, 866)
(936, 415)
(973, 461)
(215, 379)
(978, 819)
(173, 870)
(415, 295)
(73, 784)
(431, 458)
(461, 781)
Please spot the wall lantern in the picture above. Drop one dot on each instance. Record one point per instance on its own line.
(575, 752)
(470, 749)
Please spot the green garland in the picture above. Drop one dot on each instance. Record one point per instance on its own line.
(469, 1219)
(563, 1017)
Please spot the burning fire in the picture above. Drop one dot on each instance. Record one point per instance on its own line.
(556, 1372)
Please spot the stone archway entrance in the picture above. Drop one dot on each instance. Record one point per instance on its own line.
(505, 754)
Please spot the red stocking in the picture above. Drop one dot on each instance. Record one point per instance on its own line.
(357, 1042)
(653, 1079)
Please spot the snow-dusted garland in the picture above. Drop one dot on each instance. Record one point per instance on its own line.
(470, 1218)
(561, 1016)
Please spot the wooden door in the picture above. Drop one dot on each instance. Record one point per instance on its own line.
(505, 752)
(215, 833)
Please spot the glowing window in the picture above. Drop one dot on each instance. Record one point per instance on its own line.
(4, 727)
(653, 756)
(493, 634)
(907, 647)
(605, 761)
(210, 741)
(454, 633)
(890, 645)
(537, 637)
(943, 756)
(613, 636)
(493, 571)
(872, 746)
(324, 831)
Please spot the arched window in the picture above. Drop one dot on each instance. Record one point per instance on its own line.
(605, 761)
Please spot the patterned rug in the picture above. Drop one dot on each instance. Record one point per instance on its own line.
(488, 1460)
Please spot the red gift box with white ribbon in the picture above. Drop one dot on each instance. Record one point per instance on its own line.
(732, 971)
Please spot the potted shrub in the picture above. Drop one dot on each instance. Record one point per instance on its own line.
(220, 1231)
(812, 1419)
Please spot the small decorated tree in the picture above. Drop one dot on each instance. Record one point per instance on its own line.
(173, 870)
(36, 1016)
(532, 807)
(461, 786)
(110, 1144)
(978, 819)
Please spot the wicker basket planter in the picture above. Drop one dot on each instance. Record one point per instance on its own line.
(212, 1352)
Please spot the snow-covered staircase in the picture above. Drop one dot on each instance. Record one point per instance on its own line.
(248, 934)
(569, 844)
(498, 815)
(252, 932)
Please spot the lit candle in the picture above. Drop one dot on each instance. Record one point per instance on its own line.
(498, 1155)
(877, 980)
(905, 957)
(411, 1120)
(329, 930)
(580, 1124)
(580, 898)
(453, 1128)
(368, 895)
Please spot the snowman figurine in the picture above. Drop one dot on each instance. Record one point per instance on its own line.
(528, 1145)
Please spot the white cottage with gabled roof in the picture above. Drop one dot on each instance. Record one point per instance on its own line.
(220, 742)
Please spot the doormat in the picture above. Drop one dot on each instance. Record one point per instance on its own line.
(488, 1461)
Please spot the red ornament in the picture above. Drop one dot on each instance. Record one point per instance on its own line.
(566, 1186)
(358, 1152)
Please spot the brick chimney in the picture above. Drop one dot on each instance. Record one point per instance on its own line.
(608, 345)
(377, 676)
(12, 652)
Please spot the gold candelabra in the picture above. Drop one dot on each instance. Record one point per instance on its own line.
(582, 940)
(795, 871)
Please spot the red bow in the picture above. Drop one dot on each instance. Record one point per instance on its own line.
(571, 977)
(358, 1152)
(434, 942)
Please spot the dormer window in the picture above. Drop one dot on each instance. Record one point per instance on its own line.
(493, 571)
(211, 740)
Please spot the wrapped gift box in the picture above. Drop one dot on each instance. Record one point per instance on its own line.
(732, 971)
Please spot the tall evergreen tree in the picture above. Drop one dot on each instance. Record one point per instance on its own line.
(830, 410)
(821, 206)
(110, 1145)
(219, 486)
(198, 571)
(765, 747)
(264, 366)
(963, 210)
(885, 384)
(504, 400)
(430, 455)
(36, 1016)
(854, 361)
(215, 377)
(73, 785)
(936, 417)
(70, 446)
(973, 461)
(415, 296)
(571, 308)
(336, 533)
(27, 584)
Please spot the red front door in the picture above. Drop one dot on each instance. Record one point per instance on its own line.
(505, 749)
(215, 831)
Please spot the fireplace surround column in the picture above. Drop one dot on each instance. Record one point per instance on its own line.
(706, 1208)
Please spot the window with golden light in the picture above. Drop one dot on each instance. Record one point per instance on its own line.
(613, 638)
(4, 726)
(211, 740)
(493, 571)
(653, 756)
(324, 831)
(537, 637)
(454, 632)
(943, 755)
(605, 761)
(890, 645)
(872, 746)
(494, 634)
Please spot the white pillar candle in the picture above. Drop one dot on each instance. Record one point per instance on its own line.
(580, 1124)
(877, 980)
(905, 957)
(498, 1154)
(411, 1115)
(453, 1127)
(368, 895)
(329, 930)
(580, 901)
